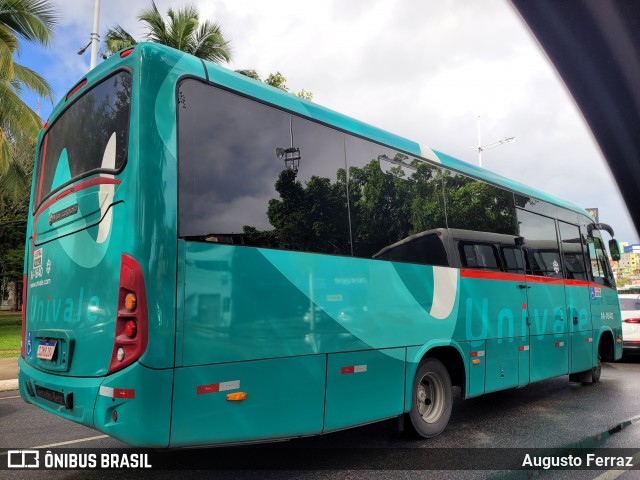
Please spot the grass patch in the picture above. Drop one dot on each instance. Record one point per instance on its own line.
(10, 333)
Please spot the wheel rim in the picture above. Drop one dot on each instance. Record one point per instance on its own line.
(430, 397)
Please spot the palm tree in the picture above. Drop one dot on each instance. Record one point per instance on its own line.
(182, 30)
(33, 21)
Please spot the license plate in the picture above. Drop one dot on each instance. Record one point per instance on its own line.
(51, 395)
(46, 349)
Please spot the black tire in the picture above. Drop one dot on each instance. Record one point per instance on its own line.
(432, 398)
(597, 370)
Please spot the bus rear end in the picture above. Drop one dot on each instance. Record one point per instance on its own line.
(87, 350)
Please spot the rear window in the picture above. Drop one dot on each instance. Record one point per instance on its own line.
(76, 144)
(629, 304)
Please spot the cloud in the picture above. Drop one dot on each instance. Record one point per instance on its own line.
(423, 69)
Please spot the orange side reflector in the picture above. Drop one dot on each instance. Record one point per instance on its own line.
(476, 361)
(237, 396)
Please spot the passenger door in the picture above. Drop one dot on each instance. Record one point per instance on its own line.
(577, 297)
(547, 318)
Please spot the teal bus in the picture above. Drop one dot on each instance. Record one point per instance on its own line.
(212, 261)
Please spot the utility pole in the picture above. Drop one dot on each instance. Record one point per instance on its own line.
(479, 147)
(95, 35)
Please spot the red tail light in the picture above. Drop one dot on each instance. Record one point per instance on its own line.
(131, 323)
(632, 320)
(24, 314)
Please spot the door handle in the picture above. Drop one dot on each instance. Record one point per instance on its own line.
(575, 320)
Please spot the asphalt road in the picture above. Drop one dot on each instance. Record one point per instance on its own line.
(553, 414)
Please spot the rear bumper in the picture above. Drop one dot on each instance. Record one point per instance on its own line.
(142, 419)
(83, 390)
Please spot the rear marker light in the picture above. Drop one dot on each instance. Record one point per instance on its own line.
(114, 416)
(632, 320)
(126, 53)
(76, 88)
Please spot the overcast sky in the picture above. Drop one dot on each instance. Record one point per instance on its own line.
(423, 69)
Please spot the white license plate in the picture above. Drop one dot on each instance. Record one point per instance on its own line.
(46, 349)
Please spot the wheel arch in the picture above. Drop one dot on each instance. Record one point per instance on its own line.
(605, 346)
(449, 352)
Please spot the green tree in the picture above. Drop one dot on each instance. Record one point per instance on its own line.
(181, 30)
(33, 21)
(14, 207)
(276, 80)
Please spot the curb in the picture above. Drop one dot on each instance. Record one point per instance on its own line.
(8, 385)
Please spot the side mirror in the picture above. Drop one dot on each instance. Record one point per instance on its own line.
(614, 249)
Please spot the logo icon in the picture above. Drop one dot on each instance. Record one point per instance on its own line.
(29, 346)
(23, 458)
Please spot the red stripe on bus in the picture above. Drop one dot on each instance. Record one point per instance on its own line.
(517, 277)
(78, 187)
(577, 283)
(489, 275)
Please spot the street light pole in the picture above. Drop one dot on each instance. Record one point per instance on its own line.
(95, 36)
(480, 147)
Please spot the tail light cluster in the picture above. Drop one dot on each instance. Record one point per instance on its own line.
(132, 318)
(24, 314)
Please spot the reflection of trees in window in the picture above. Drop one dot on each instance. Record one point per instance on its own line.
(309, 217)
(479, 206)
(385, 208)
(388, 207)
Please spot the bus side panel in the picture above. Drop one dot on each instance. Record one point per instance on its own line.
(549, 338)
(579, 321)
(144, 418)
(364, 386)
(605, 314)
(154, 191)
(285, 398)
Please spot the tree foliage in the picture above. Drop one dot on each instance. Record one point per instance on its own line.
(384, 207)
(182, 30)
(276, 80)
(32, 21)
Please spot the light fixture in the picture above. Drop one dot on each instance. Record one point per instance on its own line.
(291, 157)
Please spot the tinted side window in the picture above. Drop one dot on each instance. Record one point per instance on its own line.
(478, 206)
(513, 261)
(250, 174)
(426, 248)
(475, 255)
(600, 261)
(572, 252)
(393, 198)
(541, 251)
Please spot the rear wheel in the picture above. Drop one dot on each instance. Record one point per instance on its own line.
(432, 398)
